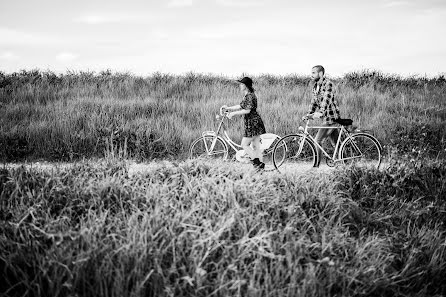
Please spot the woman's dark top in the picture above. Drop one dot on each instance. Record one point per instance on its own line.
(253, 122)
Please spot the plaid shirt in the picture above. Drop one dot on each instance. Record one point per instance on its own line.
(324, 99)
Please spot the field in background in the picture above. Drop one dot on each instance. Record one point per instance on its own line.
(76, 115)
(197, 229)
(193, 228)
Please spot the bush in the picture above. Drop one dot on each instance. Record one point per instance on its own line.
(196, 229)
(74, 115)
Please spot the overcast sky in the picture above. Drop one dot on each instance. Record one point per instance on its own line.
(227, 37)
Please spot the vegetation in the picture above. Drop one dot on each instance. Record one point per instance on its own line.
(81, 114)
(196, 229)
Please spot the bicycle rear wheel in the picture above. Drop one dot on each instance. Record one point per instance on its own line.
(294, 152)
(362, 150)
(201, 148)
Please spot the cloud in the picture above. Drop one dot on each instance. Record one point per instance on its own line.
(129, 17)
(396, 3)
(14, 37)
(287, 30)
(66, 57)
(98, 19)
(8, 56)
(180, 3)
(240, 3)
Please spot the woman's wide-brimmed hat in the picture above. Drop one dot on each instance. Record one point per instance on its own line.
(246, 81)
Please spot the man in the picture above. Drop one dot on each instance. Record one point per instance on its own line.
(324, 100)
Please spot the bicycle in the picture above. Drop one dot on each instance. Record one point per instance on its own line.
(214, 144)
(359, 147)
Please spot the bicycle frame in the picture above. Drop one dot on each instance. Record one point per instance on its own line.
(223, 135)
(338, 142)
(236, 147)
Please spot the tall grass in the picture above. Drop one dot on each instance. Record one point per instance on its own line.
(196, 229)
(73, 115)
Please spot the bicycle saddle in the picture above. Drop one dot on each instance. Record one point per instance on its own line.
(344, 122)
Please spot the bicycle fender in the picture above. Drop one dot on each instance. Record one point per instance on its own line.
(208, 133)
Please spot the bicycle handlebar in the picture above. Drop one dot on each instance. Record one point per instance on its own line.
(223, 113)
(306, 119)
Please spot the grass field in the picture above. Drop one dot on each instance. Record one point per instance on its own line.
(210, 229)
(196, 228)
(76, 115)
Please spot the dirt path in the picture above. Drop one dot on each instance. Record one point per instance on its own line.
(138, 168)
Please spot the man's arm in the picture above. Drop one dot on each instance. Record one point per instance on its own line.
(327, 99)
(314, 105)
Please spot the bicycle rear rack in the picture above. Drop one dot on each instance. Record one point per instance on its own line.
(206, 133)
(266, 140)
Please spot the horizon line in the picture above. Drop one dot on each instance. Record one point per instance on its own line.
(132, 73)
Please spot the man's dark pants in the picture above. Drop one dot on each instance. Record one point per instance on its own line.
(332, 134)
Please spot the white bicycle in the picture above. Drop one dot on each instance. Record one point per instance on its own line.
(215, 144)
(357, 147)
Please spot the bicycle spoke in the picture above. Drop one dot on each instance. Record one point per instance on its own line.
(299, 158)
(364, 152)
(200, 148)
(361, 150)
(216, 153)
(293, 152)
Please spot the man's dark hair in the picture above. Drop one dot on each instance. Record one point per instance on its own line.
(320, 68)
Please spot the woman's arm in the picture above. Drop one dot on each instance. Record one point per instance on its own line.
(235, 107)
(238, 112)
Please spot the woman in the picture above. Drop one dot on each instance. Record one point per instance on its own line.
(254, 126)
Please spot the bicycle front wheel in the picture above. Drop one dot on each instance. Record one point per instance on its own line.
(202, 148)
(268, 155)
(362, 150)
(294, 152)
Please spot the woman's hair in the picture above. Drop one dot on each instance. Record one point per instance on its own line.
(247, 82)
(250, 88)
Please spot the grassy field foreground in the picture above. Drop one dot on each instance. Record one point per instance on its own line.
(196, 229)
(82, 114)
